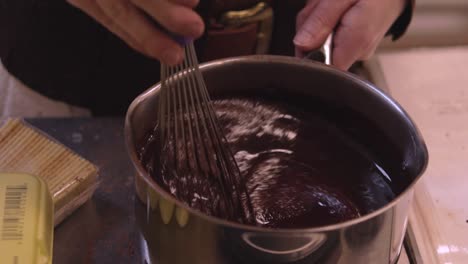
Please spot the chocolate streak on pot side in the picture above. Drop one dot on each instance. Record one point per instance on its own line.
(300, 169)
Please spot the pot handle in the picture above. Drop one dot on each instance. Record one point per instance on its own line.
(324, 53)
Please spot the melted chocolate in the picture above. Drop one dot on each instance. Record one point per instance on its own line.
(300, 169)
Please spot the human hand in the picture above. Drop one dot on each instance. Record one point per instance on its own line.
(359, 26)
(131, 21)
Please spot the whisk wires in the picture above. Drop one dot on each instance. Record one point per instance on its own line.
(195, 154)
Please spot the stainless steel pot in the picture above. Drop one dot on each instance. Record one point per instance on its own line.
(174, 233)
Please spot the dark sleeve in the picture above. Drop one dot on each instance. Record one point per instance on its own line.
(63, 54)
(401, 24)
(14, 16)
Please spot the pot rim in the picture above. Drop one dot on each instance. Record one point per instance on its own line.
(131, 149)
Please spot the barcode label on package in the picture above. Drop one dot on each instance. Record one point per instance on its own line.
(14, 212)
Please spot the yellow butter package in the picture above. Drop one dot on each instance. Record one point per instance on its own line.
(26, 220)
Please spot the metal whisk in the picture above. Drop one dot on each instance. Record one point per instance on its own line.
(196, 160)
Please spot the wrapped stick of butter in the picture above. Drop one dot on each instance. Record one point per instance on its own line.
(70, 178)
(26, 220)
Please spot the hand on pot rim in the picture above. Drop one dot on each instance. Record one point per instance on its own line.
(359, 26)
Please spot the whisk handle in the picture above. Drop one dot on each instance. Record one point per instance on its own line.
(181, 40)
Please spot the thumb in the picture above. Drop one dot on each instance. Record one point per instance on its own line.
(320, 23)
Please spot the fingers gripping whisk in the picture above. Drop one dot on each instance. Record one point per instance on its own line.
(195, 155)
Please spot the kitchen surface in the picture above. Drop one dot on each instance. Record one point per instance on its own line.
(431, 85)
(426, 72)
(104, 229)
